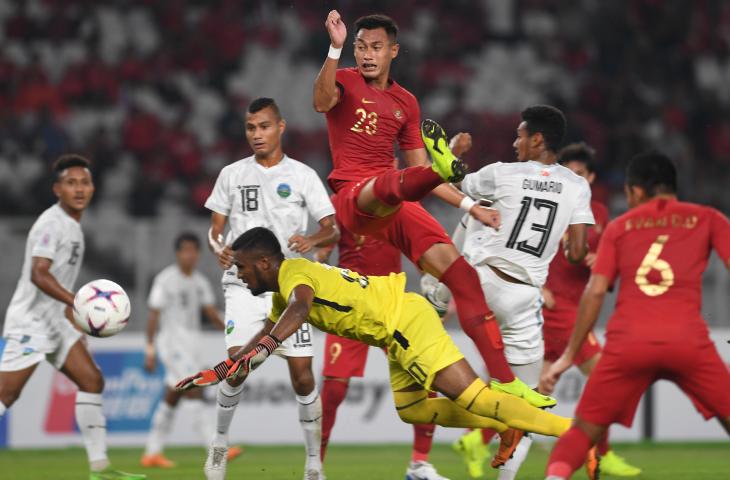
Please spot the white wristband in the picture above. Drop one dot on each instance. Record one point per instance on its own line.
(334, 53)
(215, 244)
(466, 204)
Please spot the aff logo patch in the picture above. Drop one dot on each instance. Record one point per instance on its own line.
(284, 190)
(230, 326)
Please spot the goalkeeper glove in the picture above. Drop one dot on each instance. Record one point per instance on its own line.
(206, 377)
(254, 358)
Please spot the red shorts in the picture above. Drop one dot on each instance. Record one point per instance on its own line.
(412, 229)
(556, 338)
(625, 371)
(344, 357)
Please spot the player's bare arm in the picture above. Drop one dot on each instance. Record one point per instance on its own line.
(576, 247)
(213, 316)
(215, 240)
(588, 310)
(328, 234)
(326, 92)
(41, 276)
(153, 321)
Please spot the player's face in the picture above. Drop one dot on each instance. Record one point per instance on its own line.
(523, 143)
(253, 270)
(187, 255)
(74, 188)
(263, 132)
(374, 52)
(580, 168)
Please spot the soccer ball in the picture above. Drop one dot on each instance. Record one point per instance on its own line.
(101, 308)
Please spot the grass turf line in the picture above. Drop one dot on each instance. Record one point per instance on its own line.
(665, 461)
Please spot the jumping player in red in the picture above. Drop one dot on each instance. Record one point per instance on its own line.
(658, 250)
(562, 292)
(367, 112)
(345, 358)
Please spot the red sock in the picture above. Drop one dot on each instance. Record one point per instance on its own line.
(333, 393)
(408, 185)
(473, 311)
(602, 445)
(423, 438)
(569, 453)
(487, 435)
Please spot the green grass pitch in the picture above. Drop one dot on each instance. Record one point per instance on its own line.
(667, 461)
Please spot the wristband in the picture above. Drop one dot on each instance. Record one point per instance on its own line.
(215, 244)
(334, 53)
(270, 343)
(466, 204)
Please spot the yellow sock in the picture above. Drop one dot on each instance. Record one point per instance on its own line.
(416, 407)
(513, 411)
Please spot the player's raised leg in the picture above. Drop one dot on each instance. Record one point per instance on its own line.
(81, 369)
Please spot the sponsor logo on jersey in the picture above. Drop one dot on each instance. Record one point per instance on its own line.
(284, 190)
(27, 351)
(130, 394)
(364, 100)
(230, 326)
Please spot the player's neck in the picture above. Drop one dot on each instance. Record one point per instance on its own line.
(661, 196)
(381, 83)
(75, 214)
(271, 159)
(546, 158)
(185, 271)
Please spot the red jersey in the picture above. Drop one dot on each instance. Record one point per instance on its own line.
(365, 124)
(567, 280)
(367, 255)
(659, 251)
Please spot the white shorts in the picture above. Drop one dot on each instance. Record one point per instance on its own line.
(518, 308)
(23, 350)
(245, 317)
(180, 355)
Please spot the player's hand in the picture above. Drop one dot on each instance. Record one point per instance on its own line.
(460, 143)
(322, 255)
(205, 378)
(548, 299)
(300, 244)
(551, 377)
(590, 259)
(225, 257)
(336, 29)
(251, 360)
(488, 216)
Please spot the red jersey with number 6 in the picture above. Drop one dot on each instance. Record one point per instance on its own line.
(365, 124)
(659, 251)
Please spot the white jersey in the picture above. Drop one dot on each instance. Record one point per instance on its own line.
(280, 198)
(179, 298)
(537, 203)
(58, 237)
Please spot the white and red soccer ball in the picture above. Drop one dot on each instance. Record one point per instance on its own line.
(101, 308)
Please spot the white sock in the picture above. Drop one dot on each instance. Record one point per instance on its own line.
(3, 409)
(310, 418)
(92, 425)
(201, 422)
(508, 471)
(228, 398)
(161, 424)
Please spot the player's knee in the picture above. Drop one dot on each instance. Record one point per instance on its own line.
(8, 395)
(303, 382)
(93, 382)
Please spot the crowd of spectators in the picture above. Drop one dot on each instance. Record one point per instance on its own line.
(154, 91)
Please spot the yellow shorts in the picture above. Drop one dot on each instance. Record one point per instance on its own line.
(419, 347)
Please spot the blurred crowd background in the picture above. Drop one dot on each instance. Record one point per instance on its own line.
(154, 91)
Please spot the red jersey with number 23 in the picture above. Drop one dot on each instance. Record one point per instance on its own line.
(365, 124)
(659, 251)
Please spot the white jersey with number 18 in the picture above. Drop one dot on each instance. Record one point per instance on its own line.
(537, 203)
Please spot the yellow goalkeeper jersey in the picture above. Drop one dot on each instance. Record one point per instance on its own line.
(345, 303)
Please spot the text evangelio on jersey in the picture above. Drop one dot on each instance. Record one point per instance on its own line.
(537, 203)
(345, 303)
(365, 124)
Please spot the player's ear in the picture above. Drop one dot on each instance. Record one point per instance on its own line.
(591, 178)
(394, 49)
(282, 125)
(57, 189)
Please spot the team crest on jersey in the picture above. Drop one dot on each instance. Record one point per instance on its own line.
(398, 114)
(284, 190)
(230, 326)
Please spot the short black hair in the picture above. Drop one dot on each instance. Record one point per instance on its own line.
(547, 120)
(261, 239)
(578, 152)
(264, 102)
(375, 21)
(653, 171)
(187, 237)
(67, 161)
